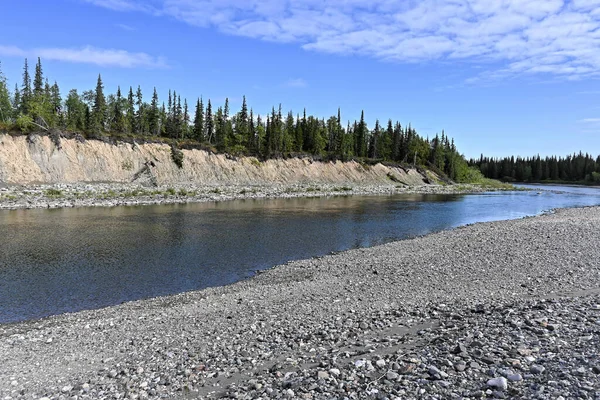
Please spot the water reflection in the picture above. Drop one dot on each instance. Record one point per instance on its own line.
(54, 261)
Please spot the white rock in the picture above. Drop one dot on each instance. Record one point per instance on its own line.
(499, 383)
(322, 375)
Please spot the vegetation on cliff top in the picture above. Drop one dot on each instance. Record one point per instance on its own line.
(37, 105)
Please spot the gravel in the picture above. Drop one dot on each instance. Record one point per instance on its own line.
(493, 310)
(123, 194)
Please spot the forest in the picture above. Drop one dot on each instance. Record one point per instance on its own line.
(576, 168)
(36, 105)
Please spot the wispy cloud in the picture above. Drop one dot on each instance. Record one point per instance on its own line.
(559, 38)
(12, 51)
(125, 27)
(590, 120)
(89, 55)
(296, 83)
(121, 5)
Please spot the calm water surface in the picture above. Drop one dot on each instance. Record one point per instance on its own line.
(56, 261)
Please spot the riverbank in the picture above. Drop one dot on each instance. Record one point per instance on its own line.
(122, 194)
(504, 309)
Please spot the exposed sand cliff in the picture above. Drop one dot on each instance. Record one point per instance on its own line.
(36, 159)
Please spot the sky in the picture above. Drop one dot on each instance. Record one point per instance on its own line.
(502, 77)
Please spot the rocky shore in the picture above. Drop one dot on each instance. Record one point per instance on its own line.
(120, 194)
(506, 309)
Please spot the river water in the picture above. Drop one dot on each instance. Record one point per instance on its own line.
(64, 260)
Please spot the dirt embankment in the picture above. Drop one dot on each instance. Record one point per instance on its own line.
(37, 159)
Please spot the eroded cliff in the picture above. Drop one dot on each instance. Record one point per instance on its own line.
(37, 159)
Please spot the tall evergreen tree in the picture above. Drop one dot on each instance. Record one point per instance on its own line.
(130, 113)
(210, 124)
(139, 117)
(199, 121)
(38, 81)
(118, 119)
(25, 90)
(16, 105)
(360, 148)
(154, 115)
(6, 111)
(99, 109)
(186, 119)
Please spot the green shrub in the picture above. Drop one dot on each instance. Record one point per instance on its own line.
(54, 193)
(177, 156)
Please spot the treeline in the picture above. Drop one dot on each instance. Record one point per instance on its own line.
(573, 168)
(36, 104)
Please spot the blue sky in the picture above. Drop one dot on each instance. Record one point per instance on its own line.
(502, 77)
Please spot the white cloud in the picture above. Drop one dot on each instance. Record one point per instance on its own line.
(296, 83)
(12, 51)
(590, 120)
(553, 37)
(89, 55)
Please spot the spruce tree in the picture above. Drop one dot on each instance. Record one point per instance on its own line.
(361, 137)
(6, 111)
(251, 143)
(130, 114)
(210, 124)
(118, 116)
(199, 121)
(38, 81)
(99, 108)
(153, 118)
(186, 120)
(139, 117)
(16, 105)
(25, 90)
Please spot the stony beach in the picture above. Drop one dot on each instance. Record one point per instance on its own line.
(126, 194)
(506, 309)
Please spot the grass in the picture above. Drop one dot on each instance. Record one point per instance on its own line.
(342, 189)
(494, 184)
(54, 193)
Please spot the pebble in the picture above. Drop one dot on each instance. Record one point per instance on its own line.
(537, 369)
(500, 383)
(514, 377)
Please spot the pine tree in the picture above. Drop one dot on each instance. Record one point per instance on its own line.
(118, 123)
(99, 108)
(130, 114)
(186, 120)
(220, 129)
(361, 137)
(55, 98)
(299, 135)
(241, 126)
(251, 144)
(25, 90)
(16, 105)
(199, 121)
(153, 118)
(210, 124)
(38, 81)
(6, 111)
(139, 117)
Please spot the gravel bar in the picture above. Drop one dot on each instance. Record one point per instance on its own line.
(506, 309)
(66, 195)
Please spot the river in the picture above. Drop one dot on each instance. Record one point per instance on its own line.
(66, 260)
